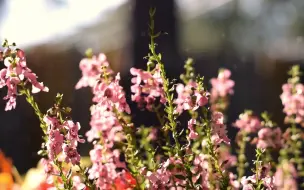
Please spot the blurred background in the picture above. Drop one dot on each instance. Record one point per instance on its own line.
(258, 40)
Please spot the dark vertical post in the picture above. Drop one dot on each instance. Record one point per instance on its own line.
(165, 21)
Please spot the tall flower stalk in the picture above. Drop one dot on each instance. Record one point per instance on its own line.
(168, 91)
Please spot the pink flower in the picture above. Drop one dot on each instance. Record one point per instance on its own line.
(262, 176)
(219, 132)
(190, 97)
(164, 176)
(104, 168)
(192, 134)
(201, 170)
(54, 144)
(112, 95)
(72, 135)
(62, 138)
(152, 135)
(147, 86)
(269, 138)
(104, 124)
(77, 184)
(293, 102)
(285, 176)
(248, 122)
(235, 184)
(92, 69)
(226, 159)
(222, 87)
(248, 182)
(48, 166)
(52, 122)
(17, 74)
(70, 154)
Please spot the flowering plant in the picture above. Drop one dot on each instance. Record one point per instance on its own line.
(170, 155)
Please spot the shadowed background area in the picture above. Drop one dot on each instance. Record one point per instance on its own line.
(258, 40)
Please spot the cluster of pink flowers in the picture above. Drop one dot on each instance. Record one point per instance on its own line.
(193, 134)
(269, 138)
(17, 73)
(110, 101)
(218, 129)
(51, 172)
(222, 87)
(147, 87)
(202, 170)
(285, 176)
(190, 97)
(249, 183)
(226, 159)
(105, 165)
(248, 122)
(293, 102)
(200, 159)
(63, 138)
(219, 132)
(91, 70)
(109, 97)
(165, 176)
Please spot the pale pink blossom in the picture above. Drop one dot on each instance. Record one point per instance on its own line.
(152, 135)
(72, 135)
(285, 176)
(164, 176)
(222, 85)
(201, 170)
(105, 166)
(104, 124)
(147, 87)
(293, 101)
(219, 132)
(248, 122)
(190, 97)
(249, 183)
(48, 166)
(226, 159)
(234, 183)
(17, 74)
(193, 134)
(111, 94)
(77, 183)
(92, 69)
(70, 154)
(62, 138)
(54, 143)
(269, 138)
(222, 88)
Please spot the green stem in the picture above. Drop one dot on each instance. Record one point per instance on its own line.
(169, 107)
(241, 156)
(296, 146)
(224, 183)
(86, 179)
(131, 149)
(68, 185)
(30, 99)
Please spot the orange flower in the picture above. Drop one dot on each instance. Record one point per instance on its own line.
(6, 178)
(5, 164)
(125, 182)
